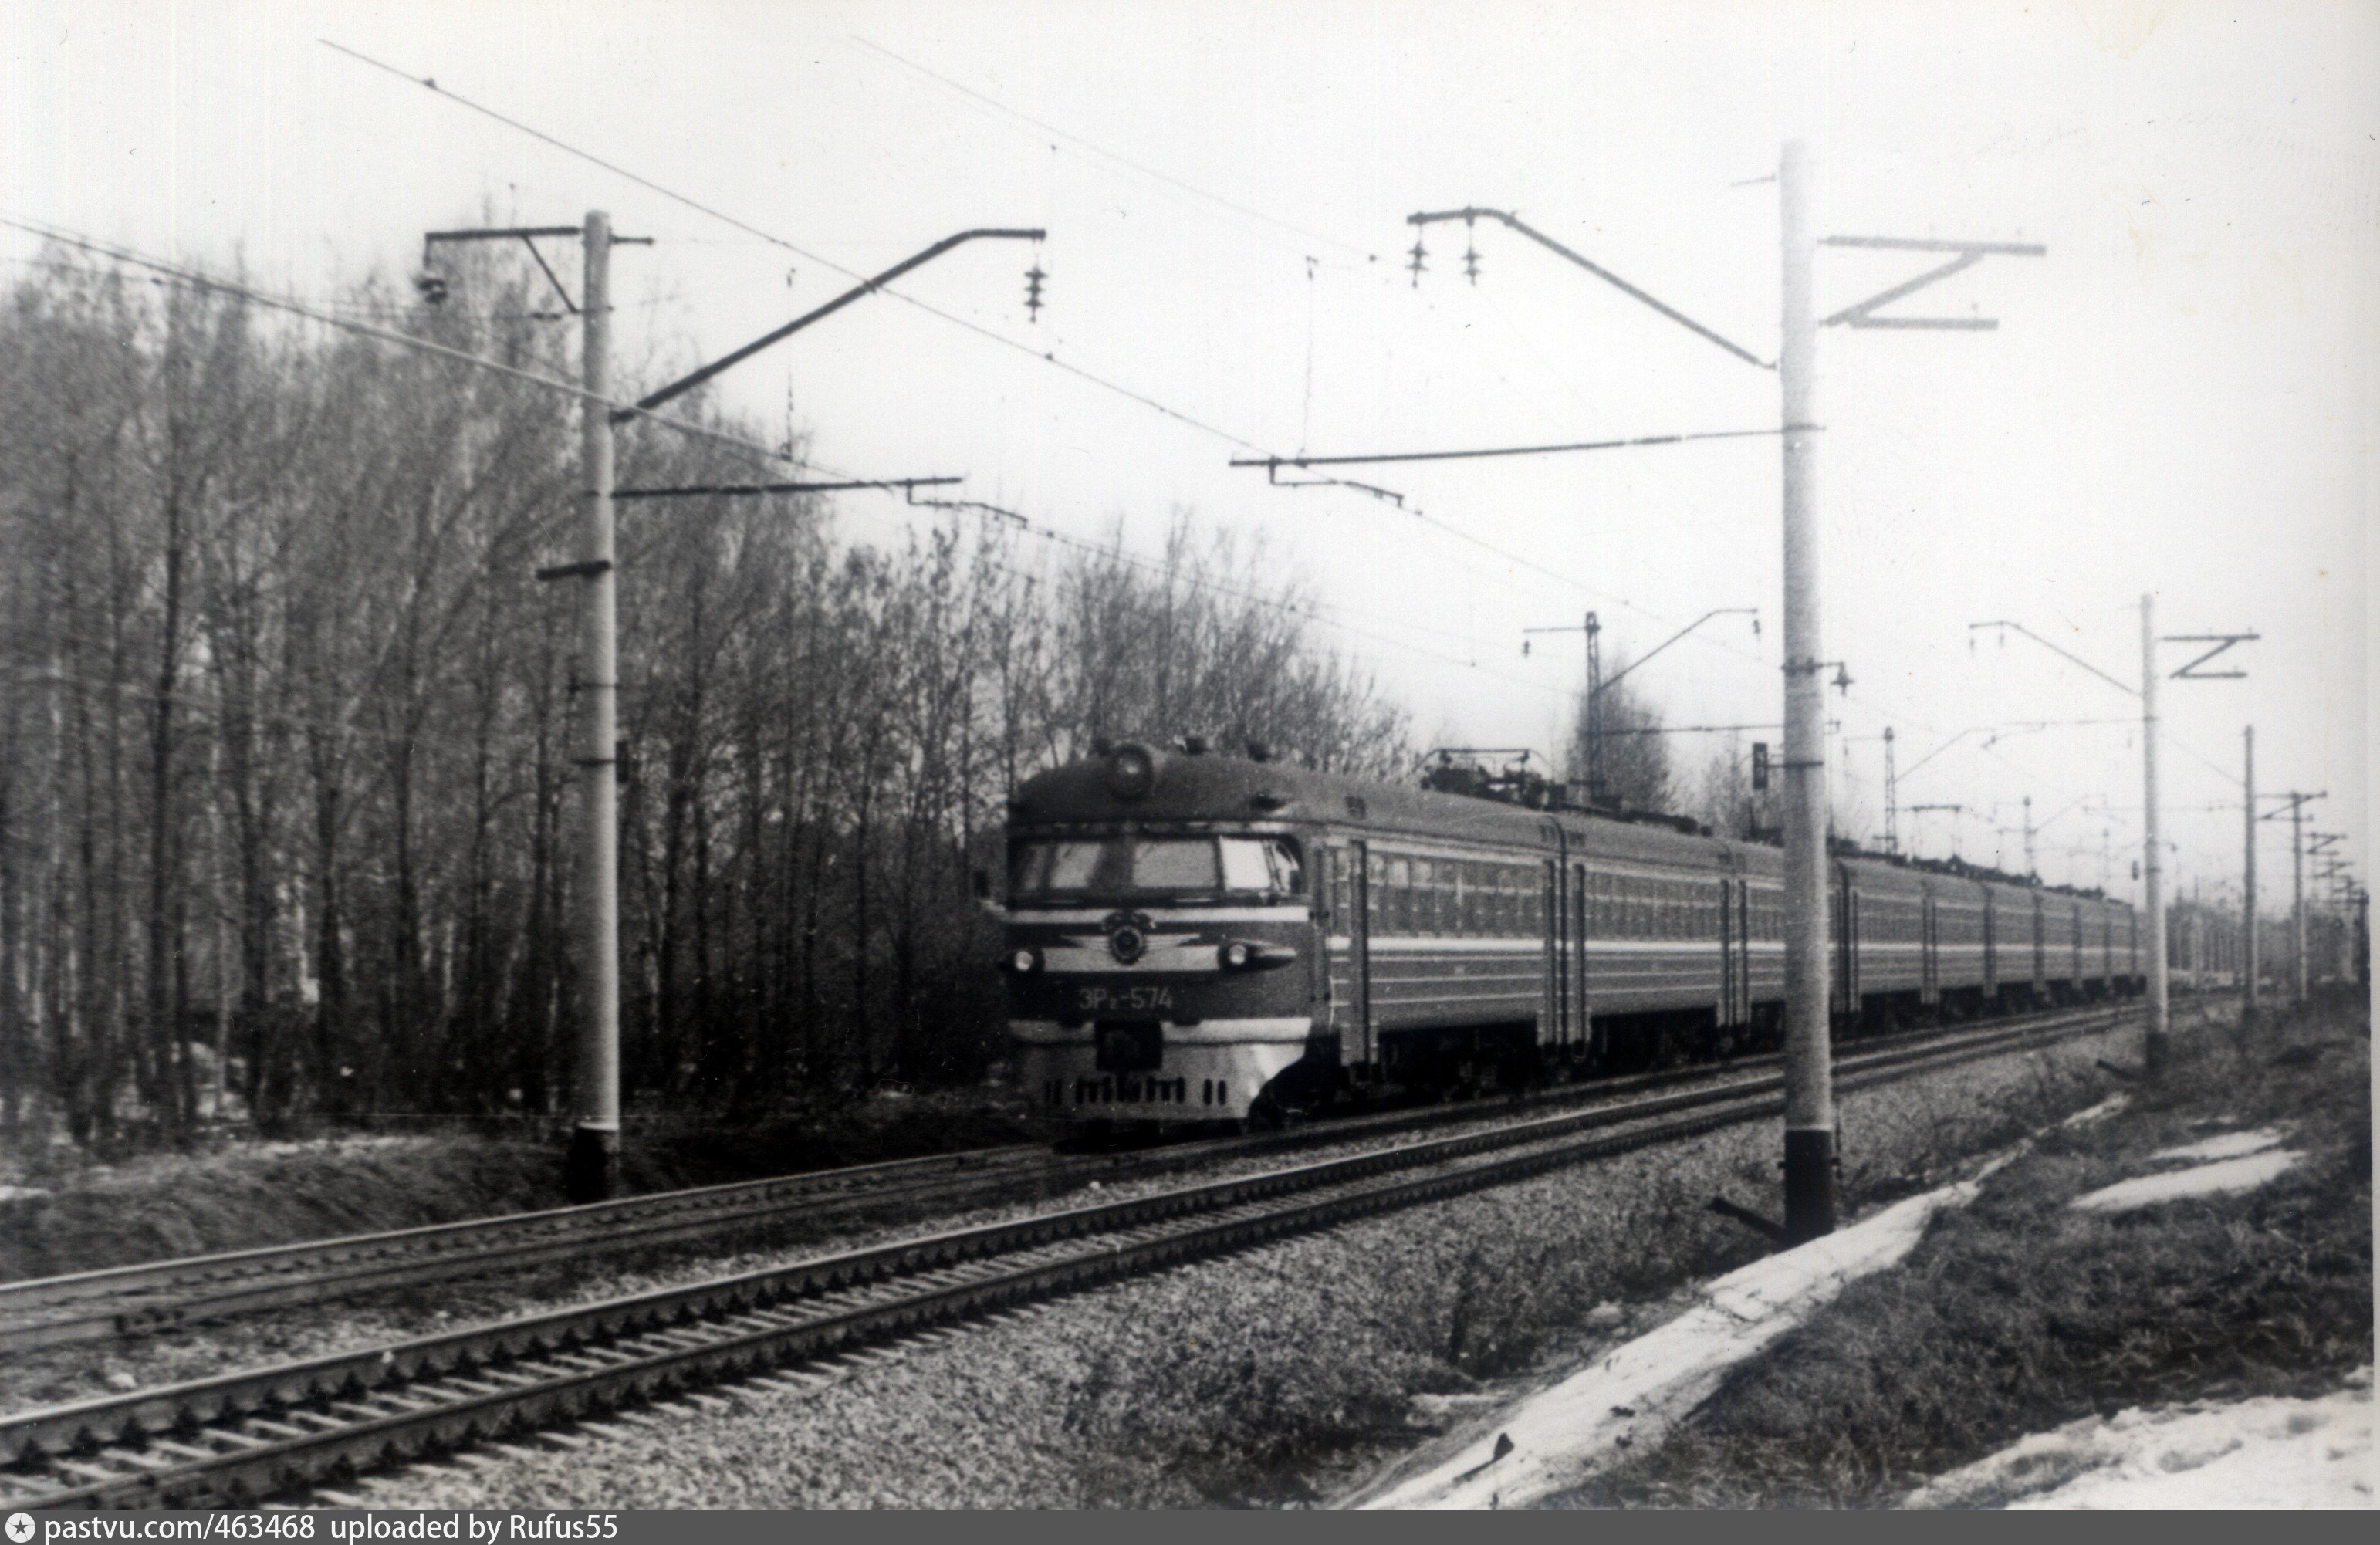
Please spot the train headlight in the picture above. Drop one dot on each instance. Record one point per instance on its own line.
(1132, 772)
(1025, 962)
(1239, 954)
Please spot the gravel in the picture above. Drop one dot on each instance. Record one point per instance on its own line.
(1275, 1377)
(64, 1374)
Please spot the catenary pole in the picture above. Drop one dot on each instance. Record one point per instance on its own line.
(2152, 854)
(2248, 911)
(2297, 892)
(594, 1161)
(1809, 1074)
(1891, 798)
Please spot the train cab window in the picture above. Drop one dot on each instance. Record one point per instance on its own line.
(1073, 869)
(1266, 865)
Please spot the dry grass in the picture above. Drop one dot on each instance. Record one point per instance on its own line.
(246, 1194)
(2018, 1314)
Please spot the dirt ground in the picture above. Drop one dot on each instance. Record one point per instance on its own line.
(66, 1216)
(2022, 1313)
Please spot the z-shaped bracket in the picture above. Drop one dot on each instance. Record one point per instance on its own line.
(2221, 641)
(1272, 475)
(1970, 253)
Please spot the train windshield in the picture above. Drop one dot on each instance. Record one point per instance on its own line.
(1183, 868)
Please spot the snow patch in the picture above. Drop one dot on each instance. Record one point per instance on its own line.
(2229, 1145)
(2098, 1113)
(2202, 1180)
(1557, 1437)
(2259, 1454)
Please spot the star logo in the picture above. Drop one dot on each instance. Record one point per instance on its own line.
(1127, 935)
(21, 1527)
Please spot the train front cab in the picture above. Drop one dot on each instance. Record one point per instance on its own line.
(1158, 974)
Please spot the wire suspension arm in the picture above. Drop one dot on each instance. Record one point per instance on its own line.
(1612, 681)
(551, 277)
(865, 287)
(1550, 245)
(2054, 648)
(1272, 463)
(699, 491)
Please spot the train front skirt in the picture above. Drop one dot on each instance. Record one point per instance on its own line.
(1154, 1070)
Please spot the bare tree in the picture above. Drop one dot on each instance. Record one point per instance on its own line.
(1635, 753)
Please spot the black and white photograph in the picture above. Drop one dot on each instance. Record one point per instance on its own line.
(1183, 754)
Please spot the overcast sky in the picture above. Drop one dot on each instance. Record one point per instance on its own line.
(2179, 398)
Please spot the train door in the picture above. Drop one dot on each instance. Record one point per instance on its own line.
(1359, 947)
(1929, 970)
(1734, 952)
(1847, 922)
(1730, 959)
(2040, 946)
(1550, 1017)
(1582, 1010)
(1991, 946)
(1743, 948)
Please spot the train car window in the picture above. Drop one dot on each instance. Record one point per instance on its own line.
(1288, 866)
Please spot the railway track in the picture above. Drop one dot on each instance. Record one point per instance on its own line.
(241, 1437)
(119, 1302)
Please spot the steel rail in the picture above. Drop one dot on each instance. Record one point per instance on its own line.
(238, 1437)
(117, 1302)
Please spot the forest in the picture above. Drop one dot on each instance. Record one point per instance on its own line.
(286, 765)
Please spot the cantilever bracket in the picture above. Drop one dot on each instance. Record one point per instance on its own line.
(2221, 641)
(865, 287)
(1969, 253)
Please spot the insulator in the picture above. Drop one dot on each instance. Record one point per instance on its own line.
(1033, 277)
(1416, 264)
(1470, 263)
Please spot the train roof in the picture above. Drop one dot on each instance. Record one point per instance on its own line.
(1209, 786)
(1194, 786)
